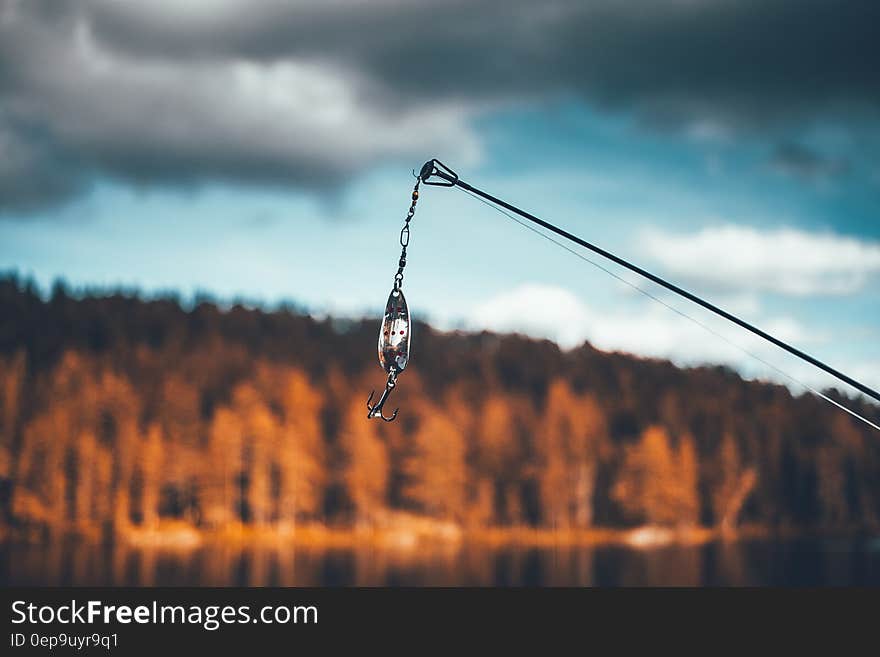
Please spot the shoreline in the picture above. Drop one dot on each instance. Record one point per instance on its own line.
(421, 533)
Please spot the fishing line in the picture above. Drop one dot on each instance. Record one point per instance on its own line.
(672, 308)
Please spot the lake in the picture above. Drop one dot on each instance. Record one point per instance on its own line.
(798, 562)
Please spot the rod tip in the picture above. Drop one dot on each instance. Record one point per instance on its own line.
(427, 170)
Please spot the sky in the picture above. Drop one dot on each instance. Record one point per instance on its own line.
(264, 151)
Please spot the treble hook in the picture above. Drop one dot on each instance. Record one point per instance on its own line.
(376, 409)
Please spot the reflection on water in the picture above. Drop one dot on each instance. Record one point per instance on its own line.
(803, 562)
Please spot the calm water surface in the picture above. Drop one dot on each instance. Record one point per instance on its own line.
(802, 562)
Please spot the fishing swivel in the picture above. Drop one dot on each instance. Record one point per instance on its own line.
(395, 332)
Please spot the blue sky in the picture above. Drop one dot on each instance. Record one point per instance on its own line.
(776, 219)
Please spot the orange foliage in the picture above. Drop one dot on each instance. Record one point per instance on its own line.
(227, 421)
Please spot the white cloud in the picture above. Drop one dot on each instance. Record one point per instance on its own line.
(649, 330)
(785, 261)
(537, 310)
(868, 372)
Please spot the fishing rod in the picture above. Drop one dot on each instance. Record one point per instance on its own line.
(436, 174)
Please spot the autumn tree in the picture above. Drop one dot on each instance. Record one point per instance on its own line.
(150, 476)
(301, 457)
(733, 487)
(261, 436)
(220, 496)
(179, 410)
(12, 373)
(500, 434)
(479, 511)
(840, 494)
(568, 436)
(367, 465)
(436, 468)
(687, 482)
(39, 497)
(114, 419)
(656, 483)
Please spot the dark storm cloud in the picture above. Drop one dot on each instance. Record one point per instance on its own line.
(746, 59)
(307, 94)
(74, 107)
(34, 170)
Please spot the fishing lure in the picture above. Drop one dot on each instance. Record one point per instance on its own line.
(395, 332)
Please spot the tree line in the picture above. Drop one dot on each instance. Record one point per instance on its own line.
(119, 412)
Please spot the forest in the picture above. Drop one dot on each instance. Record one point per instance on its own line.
(121, 414)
